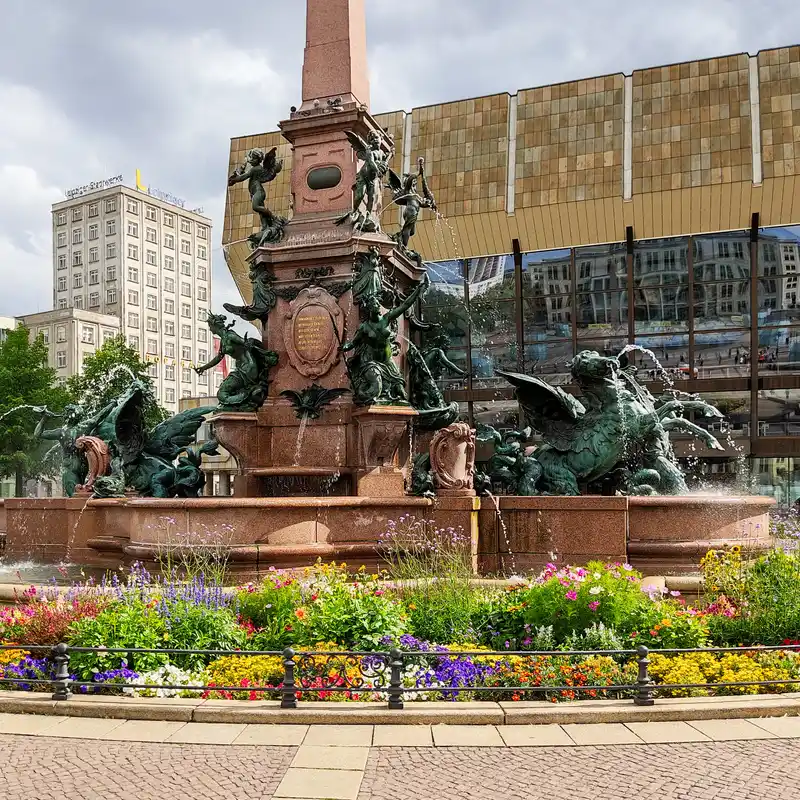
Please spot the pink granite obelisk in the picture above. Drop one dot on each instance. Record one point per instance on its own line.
(335, 63)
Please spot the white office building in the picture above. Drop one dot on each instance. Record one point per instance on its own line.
(122, 252)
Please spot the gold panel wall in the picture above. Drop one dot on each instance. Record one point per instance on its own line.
(779, 80)
(395, 123)
(570, 142)
(465, 146)
(691, 124)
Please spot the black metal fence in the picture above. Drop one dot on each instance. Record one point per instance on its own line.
(356, 672)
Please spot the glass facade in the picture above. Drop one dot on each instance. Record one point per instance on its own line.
(689, 300)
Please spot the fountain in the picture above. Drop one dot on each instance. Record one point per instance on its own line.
(323, 412)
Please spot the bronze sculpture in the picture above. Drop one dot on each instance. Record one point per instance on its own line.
(365, 214)
(405, 194)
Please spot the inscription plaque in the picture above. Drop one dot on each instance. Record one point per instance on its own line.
(313, 327)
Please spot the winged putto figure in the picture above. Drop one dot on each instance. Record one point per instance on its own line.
(367, 197)
(406, 194)
(616, 430)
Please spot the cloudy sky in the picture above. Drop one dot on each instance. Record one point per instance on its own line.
(92, 88)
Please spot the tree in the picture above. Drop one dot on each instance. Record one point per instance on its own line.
(108, 373)
(25, 380)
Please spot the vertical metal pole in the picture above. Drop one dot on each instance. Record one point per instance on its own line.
(518, 306)
(690, 290)
(753, 335)
(288, 687)
(465, 276)
(61, 682)
(644, 684)
(395, 680)
(629, 284)
(574, 315)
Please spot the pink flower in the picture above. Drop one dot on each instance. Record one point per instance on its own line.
(571, 595)
(593, 605)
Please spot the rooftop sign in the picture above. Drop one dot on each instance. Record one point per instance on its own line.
(158, 194)
(94, 186)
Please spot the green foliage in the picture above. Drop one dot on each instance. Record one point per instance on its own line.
(93, 381)
(122, 625)
(596, 637)
(25, 379)
(665, 624)
(198, 627)
(270, 610)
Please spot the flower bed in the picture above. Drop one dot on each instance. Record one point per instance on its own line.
(457, 641)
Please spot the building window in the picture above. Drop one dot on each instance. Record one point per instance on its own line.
(202, 314)
(61, 239)
(186, 353)
(152, 324)
(62, 283)
(169, 263)
(169, 241)
(94, 255)
(62, 261)
(61, 334)
(61, 218)
(152, 280)
(133, 297)
(150, 258)
(186, 289)
(169, 372)
(170, 395)
(133, 229)
(186, 375)
(77, 301)
(94, 210)
(62, 303)
(202, 356)
(202, 273)
(151, 214)
(133, 274)
(202, 232)
(202, 334)
(133, 319)
(77, 258)
(111, 296)
(169, 349)
(202, 293)
(94, 299)
(169, 220)
(111, 250)
(77, 236)
(133, 341)
(111, 205)
(87, 334)
(186, 247)
(169, 285)
(152, 302)
(152, 346)
(94, 276)
(111, 273)
(201, 251)
(77, 281)
(94, 232)
(169, 327)
(169, 306)
(61, 359)
(202, 380)
(108, 335)
(150, 235)
(152, 370)
(77, 214)
(111, 227)
(133, 251)
(186, 310)
(186, 331)
(186, 268)
(133, 206)
(186, 226)
(45, 334)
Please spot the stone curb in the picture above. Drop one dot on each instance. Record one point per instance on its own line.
(436, 713)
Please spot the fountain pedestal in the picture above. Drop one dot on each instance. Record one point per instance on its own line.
(381, 429)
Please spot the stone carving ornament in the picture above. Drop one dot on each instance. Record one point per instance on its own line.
(99, 460)
(313, 329)
(453, 458)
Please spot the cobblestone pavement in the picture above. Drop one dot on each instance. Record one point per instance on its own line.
(698, 771)
(77, 769)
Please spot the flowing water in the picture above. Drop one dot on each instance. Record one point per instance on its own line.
(301, 433)
(504, 531)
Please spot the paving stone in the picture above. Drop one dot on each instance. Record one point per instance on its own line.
(665, 732)
(276, 735)
(207, 733)
(601, 733)
(534, 736)
(466, 736)
(144, 731)
(84, 728)
(339, 735)
(402, 736)
(28, 723)
(783, 727)
(317, 757)
(324, 784)
(726, 730)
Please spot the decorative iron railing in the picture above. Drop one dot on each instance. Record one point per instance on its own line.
(323, 673)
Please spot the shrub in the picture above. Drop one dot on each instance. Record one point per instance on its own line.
(268, 609)
(32, 669)
(666, 625)
(595, 637)
(192, 627)
(48, 622)
(170, 676)
(498, 621)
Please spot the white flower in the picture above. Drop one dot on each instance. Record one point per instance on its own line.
(627, 567)
(597, 576)
(596, 590)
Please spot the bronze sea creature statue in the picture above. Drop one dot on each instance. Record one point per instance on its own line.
(260, 168)
(264, 297)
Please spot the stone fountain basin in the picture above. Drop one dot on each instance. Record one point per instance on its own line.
(658, 535)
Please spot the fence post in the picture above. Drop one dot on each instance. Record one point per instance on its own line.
(395, 679)
(60, 655)
(644, 684)
(288, 688)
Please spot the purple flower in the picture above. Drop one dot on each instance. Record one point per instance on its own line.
(593, 605)
(571, 595)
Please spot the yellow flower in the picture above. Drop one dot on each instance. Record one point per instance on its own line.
(667, 623)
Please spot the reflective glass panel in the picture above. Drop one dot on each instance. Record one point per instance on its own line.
(491, 278)
(779, 412)
(549, 360)
(546, 273)
(722, 257)
(779, 351)
(602, 314)
(601, 268)
(547, 317)
(722, 305)
(779, 251)
(453, 319)
(722, 354)
(447, 282)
